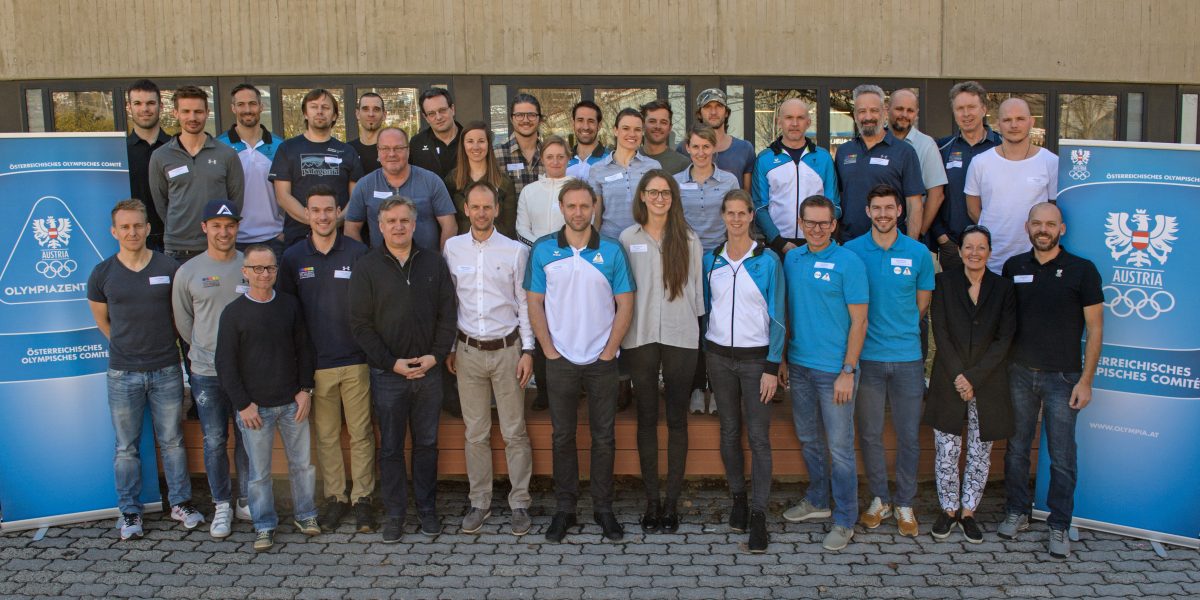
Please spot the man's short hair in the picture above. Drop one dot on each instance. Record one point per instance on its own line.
(131, 204)
(393, 128)
(969, 87)
(434, 92)
(259, 247)
(317, 93)
(481, 184)
(524, 98)
(572, 185)
(883, 190)
(321, 189)
(145, 85)
(190, 91)
(245, 86)
(370, 95)
(657, 104)
(868, 88)
(396, 200)
(588, 104)
(817, 201)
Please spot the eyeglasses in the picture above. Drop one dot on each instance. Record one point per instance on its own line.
(656, 194)
(260, 269)
(390, 149)
(441, 112)
(973, 227)
(822, 225)
(527, 116)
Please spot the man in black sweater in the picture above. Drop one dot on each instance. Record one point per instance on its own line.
(403, 315)
(265, 363)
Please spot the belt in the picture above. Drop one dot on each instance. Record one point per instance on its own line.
(747, 353)
(496, 344)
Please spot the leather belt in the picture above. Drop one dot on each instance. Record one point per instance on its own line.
(489, 345)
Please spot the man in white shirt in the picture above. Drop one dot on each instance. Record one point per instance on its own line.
(494, 354)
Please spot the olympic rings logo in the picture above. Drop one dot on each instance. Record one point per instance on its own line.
(56, 268)
(1138, 301)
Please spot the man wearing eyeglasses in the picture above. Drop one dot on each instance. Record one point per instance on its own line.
(265, 363)
(521, 155)
(435, 148)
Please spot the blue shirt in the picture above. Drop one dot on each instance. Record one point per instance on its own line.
(895, 275)
(820, 288)
(616, 185)
(891, 161)
(957, 153)
(322, 283)
(423, 187)
(702, 203)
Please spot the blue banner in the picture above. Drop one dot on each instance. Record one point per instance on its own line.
(1134, 210)
(56, 435)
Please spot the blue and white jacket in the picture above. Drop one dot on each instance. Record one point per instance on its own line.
(780, 184)
(738, 324)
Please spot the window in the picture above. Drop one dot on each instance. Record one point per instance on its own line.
(766, 102)
(841, 118)
(1133, 116)
(498, 112)
(1189, 106)
(83, 111)
(293, 112)
(170, 124)
(677, 96)
(35, 113)
(1037, 106)
(556, 109)
(612, 100)
(735, 95)
(400, 104)
(1087, 117)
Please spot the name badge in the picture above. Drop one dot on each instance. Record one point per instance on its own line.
(465, 269)
(333, 160)
(1038, 180)
(638, 248)
(242, 288)
(383, 195)
(341, 274)
(615, 177)
(823, 265)
(954, 164)
(176, 172)
(876, 160)
(160, 280)
(901, 262)
(691, 185)
(1023, 279)
(515, 167)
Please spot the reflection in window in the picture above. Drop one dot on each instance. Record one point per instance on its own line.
(1087, 117)
(170, 124)
(556, 108)
(401, 107)
(1189, 110)
(498, 112)
(35, 113)
(841, 118)
(83, 111)
(737, 118)
(293, 112)
(1133, 116)
(766, 102)
(677, 96)
(1037, 107)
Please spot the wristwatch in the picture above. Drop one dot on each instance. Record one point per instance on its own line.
(307, 390)
(848, 369)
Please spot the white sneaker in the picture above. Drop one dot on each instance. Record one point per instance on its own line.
(130, 525)
(222, 518)
(187, 514)
(712, 405)
(697, 405)
(243, 510)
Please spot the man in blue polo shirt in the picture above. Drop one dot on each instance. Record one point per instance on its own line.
(580, 305)
(900, 272)
(262, 221)
(827, 309)
(317, 271)
(968, 100)
(873, 157)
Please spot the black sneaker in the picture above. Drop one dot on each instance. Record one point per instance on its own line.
(431, 525)
(393, 528)
(758, 532)
(943, 525)
(650, 519)
(971, 530)
(739, 513)
(562, 522)
(609, 526)
(332, 513)
(364, 516)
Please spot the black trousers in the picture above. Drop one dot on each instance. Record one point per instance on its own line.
(677, 365)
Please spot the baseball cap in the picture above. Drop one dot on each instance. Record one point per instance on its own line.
(710, 95)
(221, 208)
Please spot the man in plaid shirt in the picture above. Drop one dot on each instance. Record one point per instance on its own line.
(520, 156)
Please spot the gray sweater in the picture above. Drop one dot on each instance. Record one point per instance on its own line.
(182, 184)
(202, 289)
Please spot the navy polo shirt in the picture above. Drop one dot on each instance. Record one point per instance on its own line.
(322, 283)
(891, 161)
(895, 276)
(957, 153)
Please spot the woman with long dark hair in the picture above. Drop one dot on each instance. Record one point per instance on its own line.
(477, 161)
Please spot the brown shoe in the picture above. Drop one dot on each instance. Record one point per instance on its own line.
(906, 521)
(875, 514)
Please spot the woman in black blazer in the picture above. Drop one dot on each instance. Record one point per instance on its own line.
(974, 319)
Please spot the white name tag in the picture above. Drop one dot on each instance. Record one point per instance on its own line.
(875, 160)
(823, 265)
(160, 280)
(954, 164)
(1038, 180)
(465, 269)
(176, 172)
(341, 274)
(615, 177)
(689, 186)
(515, 167)
(383, 195)
(333, 160)
(901, 262)
(242, 289)
(1023, 279)
(638, 248)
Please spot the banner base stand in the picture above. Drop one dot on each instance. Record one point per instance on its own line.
(1154, 537)
(40, 533)
(79, 517)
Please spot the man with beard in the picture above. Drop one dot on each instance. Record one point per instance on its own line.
(657, 116)
(586, 119)
(903, 110)
(190, 170)
(262, 222)
(435, 148)
(733, 154)
(145, 109)
(1058, 297)
(521, 155)
(873, 157)
(370, 115)
(891, 367)
(311, 158)
(945, 223)
(1003, 184)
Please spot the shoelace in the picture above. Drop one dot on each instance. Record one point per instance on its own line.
(131, 519)
(1058, 535)
(905, 512)
(188, 509)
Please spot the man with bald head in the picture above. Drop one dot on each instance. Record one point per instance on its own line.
(903, 109)
(1004, 183)
(791, 169)
(1058, 298)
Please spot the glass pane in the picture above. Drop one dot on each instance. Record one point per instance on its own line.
(841, 118)
(293, 112)
(612, 100)
(83, 111)
(766, 102)
(556, 108)
(1087, 117)
(498, 111)
(1133, 116)
(677, 96)
(267, 116)
(34, 111)
(170, 124)
(737, 117)
(1189, 107)
(1037, 106)
(401, 107)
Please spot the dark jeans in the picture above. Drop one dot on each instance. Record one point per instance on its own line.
(677, 369)
(407, 406)
(539, 371)
(599, 380)
(735, 383)
(1047, 392)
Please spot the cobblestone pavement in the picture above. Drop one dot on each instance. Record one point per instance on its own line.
(704, 560)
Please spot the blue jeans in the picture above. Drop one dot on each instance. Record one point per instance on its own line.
(901, 386)
(129, 392)
(405, 406)
(297, 445)
(215, 410)
(1047, 392)
(825, 427)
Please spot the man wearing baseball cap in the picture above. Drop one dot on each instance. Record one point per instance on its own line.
(733, 154)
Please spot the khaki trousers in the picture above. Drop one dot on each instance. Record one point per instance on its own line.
(480, 374)
(344, 388)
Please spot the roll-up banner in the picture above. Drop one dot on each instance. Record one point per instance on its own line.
(56, 436)
(1134, 210)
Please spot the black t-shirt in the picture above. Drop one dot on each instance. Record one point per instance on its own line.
(139, 152)
(795, 153)
(1050, 303)
(369, 155)
(305, 164)
(142, 336)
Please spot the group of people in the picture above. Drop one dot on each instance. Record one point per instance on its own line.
(721, 274)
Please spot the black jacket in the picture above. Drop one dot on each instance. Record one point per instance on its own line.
(402, 311)
(972, 339)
